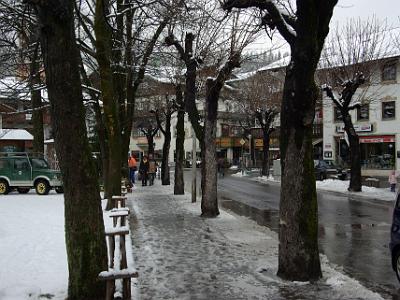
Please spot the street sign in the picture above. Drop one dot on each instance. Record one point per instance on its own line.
(242, 142)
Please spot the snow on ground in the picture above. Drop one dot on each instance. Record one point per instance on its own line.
(180, 255)
(339, 186)
(32, 247)
(335, 185)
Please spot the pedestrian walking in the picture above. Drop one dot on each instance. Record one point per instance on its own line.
(152, 169)
(132, 164)
(392, 180)
(144, 170)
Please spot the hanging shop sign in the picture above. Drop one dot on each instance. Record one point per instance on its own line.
(357, 128)
(377, 139)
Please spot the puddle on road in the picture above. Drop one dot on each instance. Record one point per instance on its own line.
(263, 217)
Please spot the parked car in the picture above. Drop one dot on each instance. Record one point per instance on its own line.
(394, 244)
(327, 169)
(23, 171)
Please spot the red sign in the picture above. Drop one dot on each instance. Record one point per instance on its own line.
(377, 139)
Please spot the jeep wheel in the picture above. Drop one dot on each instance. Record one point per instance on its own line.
(59, 190)
(23, 190)
(4, 187)
(42, 187)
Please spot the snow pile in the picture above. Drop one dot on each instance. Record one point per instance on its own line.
(32, 247)
(342, 185)
(239, 174)
(265, 179)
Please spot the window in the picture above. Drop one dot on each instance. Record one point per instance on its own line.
(224, 130)
(363, 113)
(388, 110)
(38, 163)
(389, 71)
(3, 164)
(21, 164)
(378, 156)
(337, 114)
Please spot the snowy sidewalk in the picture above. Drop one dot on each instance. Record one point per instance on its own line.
(180, 255)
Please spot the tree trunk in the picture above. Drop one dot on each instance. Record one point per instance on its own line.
(37, 120)
(179, 188)
(179, 184)
(110, 100)
(265, 162)
(36, 100)
(165, 178)
(355, 155)
(150, 143)
(209, 201)
(298, 230)
(298, 224)
(84, 227)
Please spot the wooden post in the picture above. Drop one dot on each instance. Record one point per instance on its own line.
(110, 289)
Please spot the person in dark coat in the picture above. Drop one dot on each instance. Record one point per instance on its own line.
(144, 170)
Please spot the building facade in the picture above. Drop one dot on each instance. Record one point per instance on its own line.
(376, 121)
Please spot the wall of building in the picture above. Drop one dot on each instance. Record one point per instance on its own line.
(375, 133)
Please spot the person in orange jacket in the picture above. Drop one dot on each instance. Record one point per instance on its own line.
(132, 164)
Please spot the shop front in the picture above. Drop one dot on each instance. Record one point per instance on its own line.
(378, 152)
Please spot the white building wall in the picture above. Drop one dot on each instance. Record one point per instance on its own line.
(378, 93)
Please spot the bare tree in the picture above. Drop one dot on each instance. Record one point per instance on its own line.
(149, 127)
(163, 114)
(84, 227)
(351, 57)
(206, 45)
(258, 97)
(126, 34)
(305, 32)
(21, 56)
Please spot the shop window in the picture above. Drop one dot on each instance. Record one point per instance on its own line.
(337, 114)
(388, 110)
(389, 71)
(378, 156)
(363, 113)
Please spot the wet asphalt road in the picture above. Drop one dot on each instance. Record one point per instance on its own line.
(352, 234)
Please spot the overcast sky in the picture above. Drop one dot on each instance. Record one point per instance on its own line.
(382, 9)
(345, 10)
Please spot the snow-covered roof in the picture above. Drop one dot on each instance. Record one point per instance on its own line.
(280, 63)
(15, 134)
(12, 87)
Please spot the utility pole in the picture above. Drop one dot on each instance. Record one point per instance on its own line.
(194, 172)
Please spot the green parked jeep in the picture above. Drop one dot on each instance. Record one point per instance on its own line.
(23, 171)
